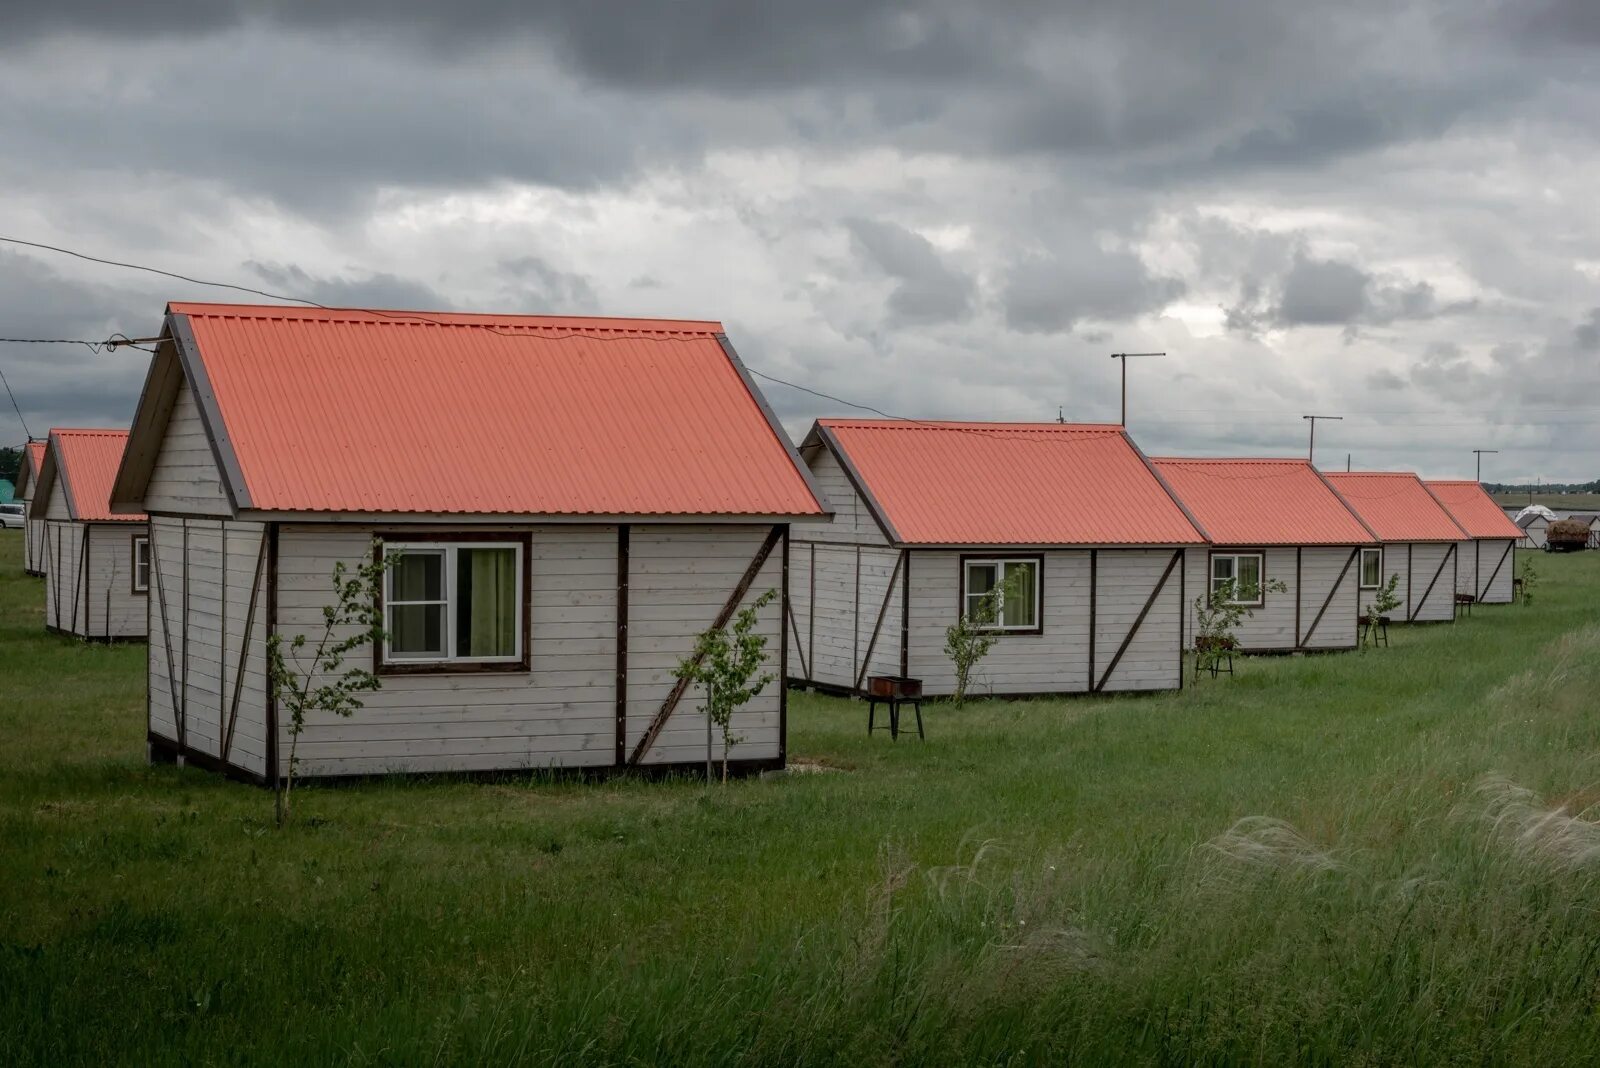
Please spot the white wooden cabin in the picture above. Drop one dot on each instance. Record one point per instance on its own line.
(32, 529)
(1535, 527)
(1421, 543)
(1488, 562)
(1271, 521)
(94, 562)
(618, 487)
(929, 516)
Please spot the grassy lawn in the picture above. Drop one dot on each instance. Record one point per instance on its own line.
(1370, 858)
(1574, 502)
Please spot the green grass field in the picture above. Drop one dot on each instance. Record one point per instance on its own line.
(1364, 858)
(1562, 502)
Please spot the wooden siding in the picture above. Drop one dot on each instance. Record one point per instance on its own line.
(1491, 586)
(1057, 659)
(63, 588)
(111, 608)
(562, 712)
(185, 479)
(679, 577)
(1272, 627)
(852, 523)
(202, 576)
(849, 585)
(1417, 563)
(33, 555)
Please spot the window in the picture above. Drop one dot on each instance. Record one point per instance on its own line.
(1371, 568)
(141, 564)
(453, 603)
(1244, 571)
(1015, 607)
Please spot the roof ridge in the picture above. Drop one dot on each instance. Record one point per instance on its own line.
(617, 324)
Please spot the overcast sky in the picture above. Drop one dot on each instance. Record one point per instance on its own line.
(1382, 210)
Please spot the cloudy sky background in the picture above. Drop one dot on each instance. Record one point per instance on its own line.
(1381, 210)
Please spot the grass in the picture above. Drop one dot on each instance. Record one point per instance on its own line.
(1368, 858)
(1569, 502)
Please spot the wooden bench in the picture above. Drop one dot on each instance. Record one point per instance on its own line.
(1465, 601)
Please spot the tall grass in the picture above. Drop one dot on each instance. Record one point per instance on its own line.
(1370, 858)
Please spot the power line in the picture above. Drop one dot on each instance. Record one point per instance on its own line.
(16, 407)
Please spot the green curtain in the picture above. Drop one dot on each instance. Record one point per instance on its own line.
(492, 578)
(1019, 595)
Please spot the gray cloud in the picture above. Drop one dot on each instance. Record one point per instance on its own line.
(1051, 293)
(535, 287)
(363, 291)
(928, 289)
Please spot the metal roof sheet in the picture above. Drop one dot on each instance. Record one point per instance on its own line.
(1262, 502)
(87, 461)
(336, 410)
(951, 483)
(1396, 505)
(1473, 509)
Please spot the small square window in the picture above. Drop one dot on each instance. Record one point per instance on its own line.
(1002, 594)
(1244, 570)
(451, 603)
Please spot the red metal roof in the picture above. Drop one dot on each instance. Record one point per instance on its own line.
(334, 410)
(1010, 483)
(1262, 502)
(33, 462)
(1396, 505)
(87, 462)
(1473, 509)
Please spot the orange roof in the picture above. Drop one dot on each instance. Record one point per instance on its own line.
(33, 463)
(1007, 483)
(1396, 505)
(1473, 509)
(86, 461)
(335, 410)
(1262, 502)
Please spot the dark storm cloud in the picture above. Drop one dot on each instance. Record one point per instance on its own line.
(928, 289)
(1327, 292)
(537, 287)
(1051, 293)
(364, 291)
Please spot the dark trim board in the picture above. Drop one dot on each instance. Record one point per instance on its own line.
(98, 639)
(164, 750)
(831, 690)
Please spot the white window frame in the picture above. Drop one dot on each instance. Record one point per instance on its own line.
(141, 540)
(1261, 571)
(999, 564)
(450, 550)
(1361, 576)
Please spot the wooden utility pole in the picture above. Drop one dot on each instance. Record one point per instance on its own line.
(1479, 454)
(1311, 447)
(1124, 356)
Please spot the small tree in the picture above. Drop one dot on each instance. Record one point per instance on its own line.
(1217, 615)
(969, 639)
(1530, 579)
(725, 662)
(349, 623)
(1384, 601)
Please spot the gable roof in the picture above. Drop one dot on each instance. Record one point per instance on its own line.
(952, 483)
(1395, 505)
(1528, 519)
(86, 462)
(1473, 509)
(1584, 517)
(1263, 502)
(314, 410)
(28, 470)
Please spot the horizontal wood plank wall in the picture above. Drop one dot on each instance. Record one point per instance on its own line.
(1125, 580)
(115, 611)
(680, 578)
(1321, 569)
(185, 478)
(1495, 586)
(166, 645)
(1394, 563)
(33, 554)
(1466, 577)
(1054, 661)
(1439, 603)
(800, 634)
(244, 668)
(850, 582)
(195, 608)
(1271, 626)
(852, 523)
(64, 605)
(559, 714)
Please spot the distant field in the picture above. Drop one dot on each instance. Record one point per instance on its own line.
(1571, 502)
(1379, 858)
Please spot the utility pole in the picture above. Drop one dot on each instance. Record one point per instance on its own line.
(1061, 414)
(1347, 462)
(1479, 454)
(1311, 448)
(1123, 356)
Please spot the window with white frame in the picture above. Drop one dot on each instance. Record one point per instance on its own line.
(1371, 568)
(1014, 584)
(453, 603)
(1244, 571)
(141, 564)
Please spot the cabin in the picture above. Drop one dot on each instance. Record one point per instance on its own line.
(1272, 521)
(564, 505)
(1420, 542)
(1069, 521)
(32, 529)
(1486, 567)
(95, 561)
(1535, 527)
(1592, 521)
